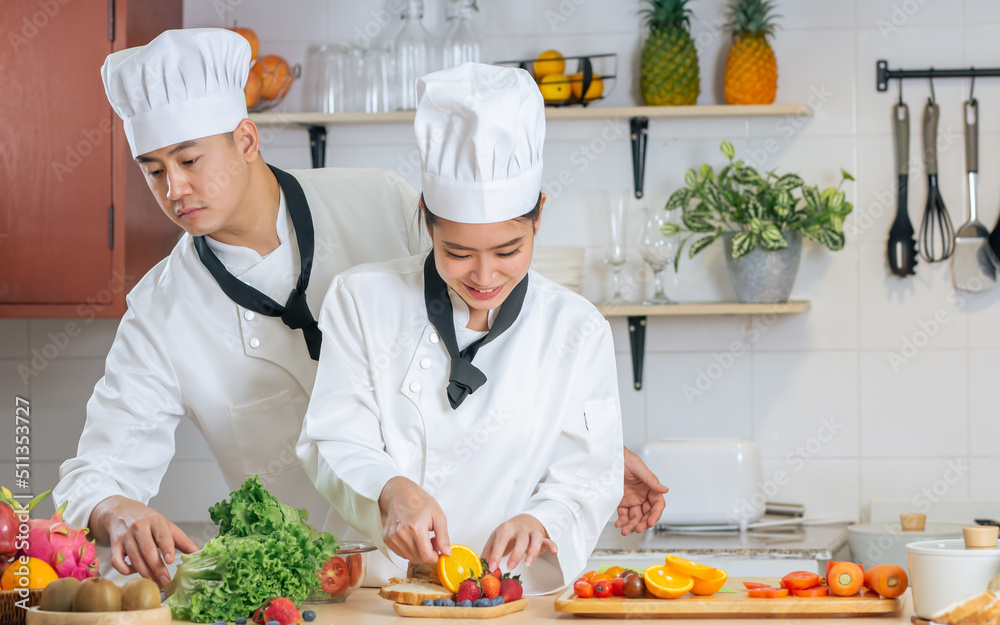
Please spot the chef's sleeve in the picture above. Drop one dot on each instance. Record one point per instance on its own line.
(583, 485)
(128, 438)
(341, 446)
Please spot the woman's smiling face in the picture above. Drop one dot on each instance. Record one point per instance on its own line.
(483, 262)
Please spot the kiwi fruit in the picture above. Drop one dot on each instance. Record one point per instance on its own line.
(97, 594)
(58, 595)
(140, 594)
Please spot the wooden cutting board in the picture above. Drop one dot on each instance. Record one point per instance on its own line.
(729, 605)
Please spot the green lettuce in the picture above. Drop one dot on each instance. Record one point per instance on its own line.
(264, 549)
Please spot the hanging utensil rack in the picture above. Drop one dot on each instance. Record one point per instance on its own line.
(883, 74)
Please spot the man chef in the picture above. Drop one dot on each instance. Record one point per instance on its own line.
(223, 330)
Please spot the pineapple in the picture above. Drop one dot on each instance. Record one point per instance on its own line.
(751, 71)
(669, 70)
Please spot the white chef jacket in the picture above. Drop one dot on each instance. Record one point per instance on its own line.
(543, 436)
(184, 350)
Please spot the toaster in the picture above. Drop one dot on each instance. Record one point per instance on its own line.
(712, 481)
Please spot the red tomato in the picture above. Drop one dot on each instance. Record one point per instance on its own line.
(618, 586)
(800, 580)
(751, 585)
(768, 593)
(354, 568)
(815, 591)
(602, 588)
(334, 575)
(583, 589)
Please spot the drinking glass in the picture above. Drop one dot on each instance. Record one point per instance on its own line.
(658, 250)
(414, 49)
(616, 249)
(375, 78)
(332, 84)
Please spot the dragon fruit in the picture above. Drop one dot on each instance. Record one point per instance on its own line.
(66, 549)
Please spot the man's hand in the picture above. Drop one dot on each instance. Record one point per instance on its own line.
(135, 530)
(642, 504)
(409, 515)
(522, 537)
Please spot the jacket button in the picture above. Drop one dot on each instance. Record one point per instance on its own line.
(255, 343)
(248, 315)
(425, 363)
(415, 387)
(434, 338)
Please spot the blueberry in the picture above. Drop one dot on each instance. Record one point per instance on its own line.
(465, 604)
(219, 623)
(428, 602)
(439, 602)
(498, 601)
(272, 622)
(448, 603)
(481, 603)
(241, 620)
(308, 615)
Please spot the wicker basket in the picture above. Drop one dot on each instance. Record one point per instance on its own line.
(10, 612)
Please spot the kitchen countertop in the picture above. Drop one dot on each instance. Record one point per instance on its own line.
(364, 606)
(808, 542)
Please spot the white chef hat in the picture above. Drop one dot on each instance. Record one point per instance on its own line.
(183, 85)
(480, 130)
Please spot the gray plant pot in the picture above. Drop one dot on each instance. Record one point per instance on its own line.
(762, 276)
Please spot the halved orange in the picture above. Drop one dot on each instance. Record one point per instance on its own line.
(666, 583)
(709, 586)
(698, 571)
(462, 564)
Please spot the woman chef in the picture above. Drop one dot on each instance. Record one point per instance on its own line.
(463, 396)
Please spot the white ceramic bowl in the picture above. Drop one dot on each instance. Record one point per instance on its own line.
(944, 571)
(885, 543)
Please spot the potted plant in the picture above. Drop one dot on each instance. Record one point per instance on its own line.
(761, 219)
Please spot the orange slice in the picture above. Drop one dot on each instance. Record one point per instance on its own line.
(462, 564)
(666, 583)
(698, 571)
(709, 586)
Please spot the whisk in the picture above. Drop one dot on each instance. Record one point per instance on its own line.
(937, 235)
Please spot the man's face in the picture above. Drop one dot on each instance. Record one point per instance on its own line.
(199, 184)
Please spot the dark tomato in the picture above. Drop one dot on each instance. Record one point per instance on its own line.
(602, 588)
(583, 589)
(634, 587)
(334, 575)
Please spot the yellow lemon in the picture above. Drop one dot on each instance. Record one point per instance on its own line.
(593, 92)
(555, 88)
(548, 63)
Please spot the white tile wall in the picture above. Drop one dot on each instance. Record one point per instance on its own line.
(928, 423)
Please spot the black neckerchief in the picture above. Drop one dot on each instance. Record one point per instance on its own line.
(464, 378)
(295, 313)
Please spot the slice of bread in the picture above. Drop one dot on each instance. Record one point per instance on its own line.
(988, 615)
(427, 572)
(965, 608)
(413, 591)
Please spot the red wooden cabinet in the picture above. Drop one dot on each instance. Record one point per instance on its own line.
(78, 227)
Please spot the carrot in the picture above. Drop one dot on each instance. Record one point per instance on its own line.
(845, 579)
(887, 580)
(830, 565)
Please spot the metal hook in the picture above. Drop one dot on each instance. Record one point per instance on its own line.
(931, 79)
(900, 82)
(972, 86)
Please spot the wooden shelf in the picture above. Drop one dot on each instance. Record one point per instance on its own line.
(704, 308)
(551, 113)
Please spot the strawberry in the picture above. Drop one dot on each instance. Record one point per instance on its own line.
(486, 567)
(284, 611)
(510, 588)
(490, 584)
(469, 589)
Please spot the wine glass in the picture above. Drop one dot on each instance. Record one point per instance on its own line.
(658, 250)
(615, 251)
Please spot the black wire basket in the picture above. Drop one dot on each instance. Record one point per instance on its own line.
(590, 67)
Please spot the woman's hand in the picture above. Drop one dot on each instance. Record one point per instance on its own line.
(141, 533)
(522, 537)
(642, 504)
(409, 515)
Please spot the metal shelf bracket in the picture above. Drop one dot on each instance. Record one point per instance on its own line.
(637, 341)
